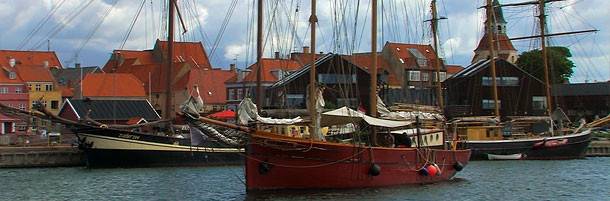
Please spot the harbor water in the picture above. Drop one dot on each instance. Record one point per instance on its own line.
(586, 179)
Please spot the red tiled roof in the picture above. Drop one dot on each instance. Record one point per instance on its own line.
(29, 58)
(103, 85)
(29, 73)
(268, 65)
(4, 75)
(134, 120)
(212, 85)
(501, 42)
(402, 52)
(186, 52)
(453, 69)
(364, 61)
(303, 58)
(67, 92)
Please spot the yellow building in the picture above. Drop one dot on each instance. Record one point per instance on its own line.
(41, 87)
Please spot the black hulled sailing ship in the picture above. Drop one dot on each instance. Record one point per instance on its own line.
(523, 137)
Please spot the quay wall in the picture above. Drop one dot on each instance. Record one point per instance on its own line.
(40, 156)
(598, 148)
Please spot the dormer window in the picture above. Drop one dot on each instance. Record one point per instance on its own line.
(398, 49)
(12, 75)
(401, 61)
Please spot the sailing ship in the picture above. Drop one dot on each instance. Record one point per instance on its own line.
(488, 138)
(106, 145)
(275, 161)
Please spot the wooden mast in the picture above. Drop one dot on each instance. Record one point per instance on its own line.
(170, 61)
(434, 23)
(259, 58)
(312, 74)
(545, 62)
(490, 9)
(373, 93)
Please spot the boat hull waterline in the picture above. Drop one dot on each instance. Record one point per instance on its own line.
(532, 149)
(113, 148)
(277, 162)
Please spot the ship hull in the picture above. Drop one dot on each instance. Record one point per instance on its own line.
(104, 148)
(276, 162)
(531, 149)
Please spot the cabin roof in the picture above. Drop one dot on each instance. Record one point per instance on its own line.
(105, 109)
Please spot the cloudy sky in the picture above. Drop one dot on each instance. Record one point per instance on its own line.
(87, 31)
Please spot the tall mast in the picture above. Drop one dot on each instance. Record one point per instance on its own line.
(545, 62)
(312, 73)
(259, 57)
(492, 60)
(170, 62)
(373, 93)
(438, 60)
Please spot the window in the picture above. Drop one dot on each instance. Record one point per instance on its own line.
(336, 78)
(294, 100)
(4, 90)
(44, 103)
(486, 81)
(214, 108)
(17, 90)
(239, 94)
(37, 87)
(538, 102)
(510, 81)
(443, 76)
(398, 50)
(424, 76)
(500, 81)
(10, 105)
(489, 104)
(48, 87)
(231, 94)
(414, 75)
(401, 61)
(12, 75)
(422, 62)
(222, 107)
(22, 106)
(54, 104)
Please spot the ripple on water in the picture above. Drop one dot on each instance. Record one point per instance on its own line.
(585, 179)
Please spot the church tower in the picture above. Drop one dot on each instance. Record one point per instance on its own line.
(502, 46)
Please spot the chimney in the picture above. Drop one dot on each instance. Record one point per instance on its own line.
(277, 55)
(45, 64)
(77, 65)
(306, 49)
(11, 62)
(232, 68)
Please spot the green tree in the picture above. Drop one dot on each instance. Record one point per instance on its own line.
(559, 64)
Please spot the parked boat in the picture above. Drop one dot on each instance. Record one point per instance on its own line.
(276, 161)
(489, 138)
(106, 147)
(504, 157)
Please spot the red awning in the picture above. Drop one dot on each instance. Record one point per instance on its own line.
(227, 114)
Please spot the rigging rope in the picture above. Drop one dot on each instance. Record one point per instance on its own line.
(40, 25)
(133, 22)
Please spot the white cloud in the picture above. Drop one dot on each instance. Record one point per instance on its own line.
(233, 50)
